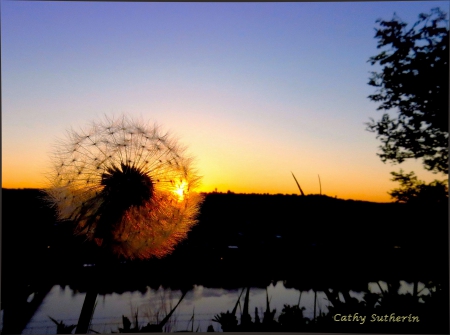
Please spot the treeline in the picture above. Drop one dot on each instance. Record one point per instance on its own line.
(318, 220)
(250, 231)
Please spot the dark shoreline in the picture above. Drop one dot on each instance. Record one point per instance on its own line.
(310, 242)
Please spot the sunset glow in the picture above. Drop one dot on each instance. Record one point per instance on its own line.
(180, 190)
(253, 90)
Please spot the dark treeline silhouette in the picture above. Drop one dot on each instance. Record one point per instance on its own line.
(276, 233)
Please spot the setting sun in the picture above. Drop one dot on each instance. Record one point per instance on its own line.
(180, 190)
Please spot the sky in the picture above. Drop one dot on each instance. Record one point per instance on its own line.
(254, 90)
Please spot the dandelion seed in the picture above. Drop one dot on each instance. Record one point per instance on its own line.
(121, 196)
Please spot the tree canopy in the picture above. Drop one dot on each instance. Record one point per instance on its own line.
(414, 82)
(412, 190)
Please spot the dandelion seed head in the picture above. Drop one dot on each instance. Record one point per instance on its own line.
(115, 180)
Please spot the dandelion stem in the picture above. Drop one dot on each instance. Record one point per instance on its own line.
(87, 311)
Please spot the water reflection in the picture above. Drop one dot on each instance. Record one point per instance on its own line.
(200, 304)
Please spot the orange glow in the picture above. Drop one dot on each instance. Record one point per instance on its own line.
(16, 177)
(245, 169)
(181, 190)
(358, 187)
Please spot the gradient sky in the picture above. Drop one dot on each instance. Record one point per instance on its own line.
(255, 90)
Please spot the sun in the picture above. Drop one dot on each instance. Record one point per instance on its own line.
(180, 190)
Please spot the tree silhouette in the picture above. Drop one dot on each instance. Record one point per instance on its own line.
(413, 81)
(415, 191)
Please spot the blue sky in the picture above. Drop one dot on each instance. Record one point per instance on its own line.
(255, 90)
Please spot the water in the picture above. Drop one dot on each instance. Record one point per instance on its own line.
(63, 304)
